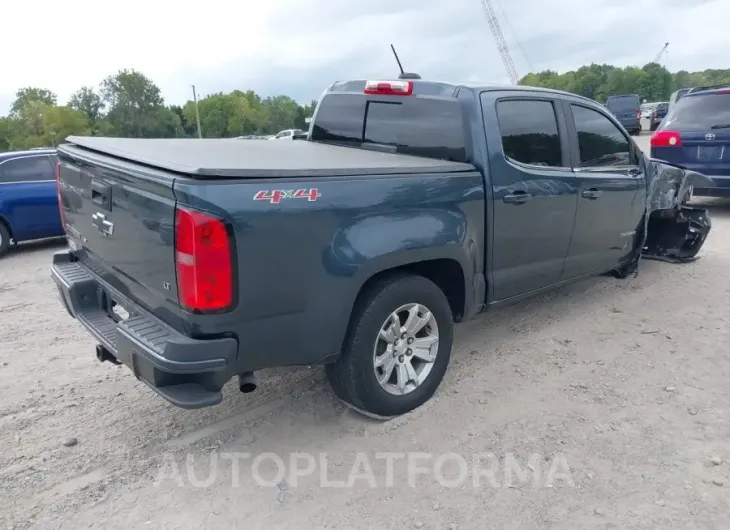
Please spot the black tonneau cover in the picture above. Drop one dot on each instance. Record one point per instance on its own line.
(260, 158)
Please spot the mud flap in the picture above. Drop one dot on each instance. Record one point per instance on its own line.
(676, 236)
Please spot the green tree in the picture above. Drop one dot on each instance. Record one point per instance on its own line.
(89, 103)
(652, 82)
(188, 130)
(135, 105)
(27, 126)
(304, 112)
(41, 125)
(227, 115)
(26, 95)
(5, 139)
(281, 112)
(62, 122)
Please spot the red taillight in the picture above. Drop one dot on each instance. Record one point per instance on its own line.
(638, 114)
(389, 88)
(666, 139)
(58, 193)
(203, 261)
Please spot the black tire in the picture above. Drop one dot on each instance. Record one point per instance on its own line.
(4, 239)
(353, 376)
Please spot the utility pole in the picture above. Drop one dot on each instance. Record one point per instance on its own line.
(197, 114)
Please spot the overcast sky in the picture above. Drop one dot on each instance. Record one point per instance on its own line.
(298, 47)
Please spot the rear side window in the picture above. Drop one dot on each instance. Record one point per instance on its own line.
(421, 126)
(26, 169)
(623, 102)
(699, 113)
(600, 142)
(529, 131)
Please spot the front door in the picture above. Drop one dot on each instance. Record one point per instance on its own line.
(612, 192)
(533, 190)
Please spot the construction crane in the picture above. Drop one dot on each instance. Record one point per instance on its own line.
(661, 52)
(504, 52)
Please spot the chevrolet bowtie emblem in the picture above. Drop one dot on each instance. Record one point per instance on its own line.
(102, 225)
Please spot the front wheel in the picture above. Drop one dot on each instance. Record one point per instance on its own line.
(397, 347)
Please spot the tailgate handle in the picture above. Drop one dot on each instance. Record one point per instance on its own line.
(101, 194)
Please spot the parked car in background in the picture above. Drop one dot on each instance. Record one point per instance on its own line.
(627, 109)
(287, 134)
(28, 197)
(646, 109)
(696, 135)
(657, 115)
(677, 95)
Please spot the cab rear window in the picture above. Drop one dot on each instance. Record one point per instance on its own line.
(428, 127)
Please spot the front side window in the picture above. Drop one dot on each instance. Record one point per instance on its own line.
(529, 130)
(600, 141)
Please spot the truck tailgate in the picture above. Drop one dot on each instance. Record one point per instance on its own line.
(119, 219)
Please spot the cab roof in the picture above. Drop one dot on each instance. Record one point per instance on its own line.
(30, 152)
(446, 89)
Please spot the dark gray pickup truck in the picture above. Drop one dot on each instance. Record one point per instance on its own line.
(411, 205)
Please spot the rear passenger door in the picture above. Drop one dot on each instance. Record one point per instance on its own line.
(610, 175)
(29, 197)
(533, 191)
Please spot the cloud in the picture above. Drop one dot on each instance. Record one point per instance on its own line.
(298, 47)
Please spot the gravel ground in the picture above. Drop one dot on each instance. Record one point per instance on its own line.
(617, 387)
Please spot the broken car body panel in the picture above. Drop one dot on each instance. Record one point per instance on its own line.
(674, 232)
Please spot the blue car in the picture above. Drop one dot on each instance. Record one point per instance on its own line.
(696, 134)
(28, 197)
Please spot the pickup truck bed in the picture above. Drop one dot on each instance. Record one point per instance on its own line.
(231, 158)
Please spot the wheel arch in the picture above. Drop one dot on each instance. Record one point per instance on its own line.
(447, 270)
(5, 222)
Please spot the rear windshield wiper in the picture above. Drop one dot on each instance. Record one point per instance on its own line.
(723, 126)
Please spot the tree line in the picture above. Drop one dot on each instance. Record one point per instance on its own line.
(651, 82)
(129, 104)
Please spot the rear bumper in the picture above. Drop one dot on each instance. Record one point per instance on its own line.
(189, 373)
(721, 189)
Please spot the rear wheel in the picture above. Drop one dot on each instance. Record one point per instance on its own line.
(4, 239)
(397, 348)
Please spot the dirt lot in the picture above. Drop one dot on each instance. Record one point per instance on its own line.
(620, 383)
